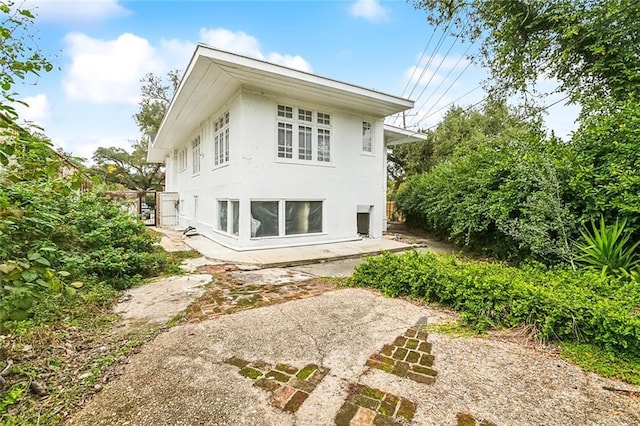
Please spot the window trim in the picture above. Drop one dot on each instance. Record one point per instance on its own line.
(197, 155)
(364, 144)
(182, 159)
(220, 140)
(282, 221)
(293, 120)
(230, 214)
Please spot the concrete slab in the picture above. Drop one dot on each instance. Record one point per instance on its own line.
(183, 377)
(161, 299)
(337, 269)
(270, 276)
(288, 256)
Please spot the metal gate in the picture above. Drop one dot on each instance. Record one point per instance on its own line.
(167, 209)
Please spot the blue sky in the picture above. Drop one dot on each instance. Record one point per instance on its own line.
(101, 49)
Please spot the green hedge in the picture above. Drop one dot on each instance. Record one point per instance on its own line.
(561, 304)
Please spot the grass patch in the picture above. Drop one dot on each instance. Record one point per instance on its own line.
(603, 362)
(69, 346)
(175, 259)
(455, 328)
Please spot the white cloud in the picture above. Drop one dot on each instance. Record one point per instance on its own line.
(108, 71)
(243, 44)
(370, 10)
(236, 42)
(296, 62)
(81, 11)
(38, 110)
(85, 147)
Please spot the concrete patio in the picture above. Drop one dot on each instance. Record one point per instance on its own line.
(173, 240)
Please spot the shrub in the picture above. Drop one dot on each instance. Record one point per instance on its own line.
(607, 157)
(505, 197)
(608, 248)
(558, 303)
(54, 240)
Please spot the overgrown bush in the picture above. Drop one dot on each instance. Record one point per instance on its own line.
(506, 196)
(559, 303)
(606, 182)
(54, 240)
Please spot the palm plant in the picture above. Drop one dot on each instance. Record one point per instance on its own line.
(608, 247)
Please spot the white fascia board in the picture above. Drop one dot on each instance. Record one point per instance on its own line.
(234, 60)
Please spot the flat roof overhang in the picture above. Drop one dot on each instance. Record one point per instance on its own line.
(397, 135)
(214, 76)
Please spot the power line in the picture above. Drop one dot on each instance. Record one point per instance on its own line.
(444, 58)
(419, 60)
(445, 79)
(428, 64)
(608, 20)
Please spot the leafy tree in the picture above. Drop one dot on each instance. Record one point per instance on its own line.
(503, 194)
(130, 169)
(156, 95)
(18, 62)
(606, 182)
(590, 47)
(459, 128)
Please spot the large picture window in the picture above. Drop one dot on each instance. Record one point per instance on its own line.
(303, 217)
(303, 136)
(284, 217)
(265, 219)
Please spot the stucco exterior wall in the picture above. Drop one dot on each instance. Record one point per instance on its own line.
(352, 180)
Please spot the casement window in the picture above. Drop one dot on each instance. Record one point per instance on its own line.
(285, 140)
(305, 142)
(182, 159)
(196, 151)
(221, 140)
(324, 145)
(195, 206)
(303, 136)
(229, 216)
(367, 143)
(285, 217)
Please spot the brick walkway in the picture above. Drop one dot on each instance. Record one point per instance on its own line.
(226, 295)
(290, 386)
(408, 356)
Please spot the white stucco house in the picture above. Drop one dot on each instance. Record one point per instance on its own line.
(259, 155)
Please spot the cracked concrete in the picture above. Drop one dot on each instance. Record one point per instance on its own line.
(179, 378)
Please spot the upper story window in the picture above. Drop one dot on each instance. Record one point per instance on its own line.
(196, 150)
(367, 144)
(285, 111)
(304, 135)
(221, 140)
(182, 159)
(324, 119)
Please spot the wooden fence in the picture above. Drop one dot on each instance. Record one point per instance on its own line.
(393, 215)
